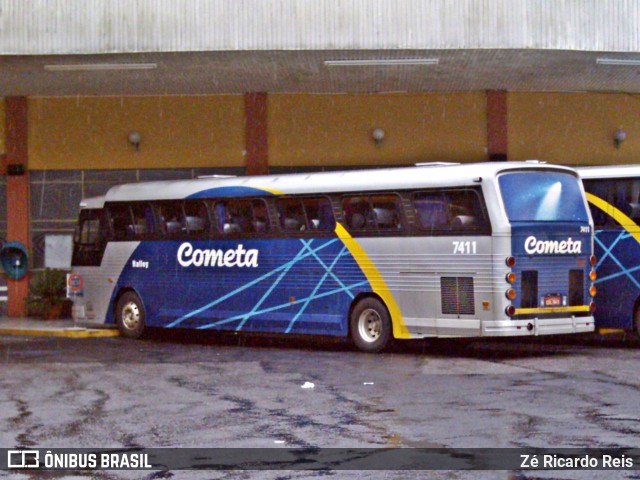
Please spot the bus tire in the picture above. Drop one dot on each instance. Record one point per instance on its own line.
(636, 321)
(130, 315)
(370, 325)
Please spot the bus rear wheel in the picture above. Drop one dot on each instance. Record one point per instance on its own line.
(370, 325)
(130, 315)
(636, 321)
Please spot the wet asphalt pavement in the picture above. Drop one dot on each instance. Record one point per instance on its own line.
(189, 390)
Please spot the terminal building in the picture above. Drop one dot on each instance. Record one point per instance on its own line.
(95, 93)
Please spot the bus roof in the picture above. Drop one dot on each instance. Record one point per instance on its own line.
(610, 171)
(426, 176)
(92, 202)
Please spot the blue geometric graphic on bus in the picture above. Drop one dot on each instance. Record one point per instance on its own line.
(296, 286)
(618, 269)
(219, 192)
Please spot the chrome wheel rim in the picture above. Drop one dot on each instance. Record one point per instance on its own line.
(131, 316)
(370, 325)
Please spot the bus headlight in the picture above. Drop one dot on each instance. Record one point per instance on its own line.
(511, 293)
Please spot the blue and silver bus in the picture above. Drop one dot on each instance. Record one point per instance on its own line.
(613, 193)
(473, 250)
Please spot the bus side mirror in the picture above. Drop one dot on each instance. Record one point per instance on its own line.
(14, 260)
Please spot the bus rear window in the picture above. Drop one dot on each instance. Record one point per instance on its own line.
(545, 196)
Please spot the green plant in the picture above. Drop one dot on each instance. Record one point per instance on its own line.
(47, 293)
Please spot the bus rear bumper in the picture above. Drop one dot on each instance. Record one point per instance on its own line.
(538, 326)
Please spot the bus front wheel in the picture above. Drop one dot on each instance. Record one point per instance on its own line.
(370, 325)
(130, 315)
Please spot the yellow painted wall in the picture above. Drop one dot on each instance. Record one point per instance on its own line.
(573, 128)
(325, 130)
(176, 131)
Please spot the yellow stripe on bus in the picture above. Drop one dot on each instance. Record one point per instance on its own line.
(272, 191)
(617, 215)
(529, 311)
(376, 281)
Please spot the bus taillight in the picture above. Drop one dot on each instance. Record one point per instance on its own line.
(592, 307)
(510, 277)
(593, 291)
(510, 261)
(593, 260)
(510, 311)
(593, 275)
(511, 293)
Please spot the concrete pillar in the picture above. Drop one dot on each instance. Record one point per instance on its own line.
(16, 162)
(256, 142)
(497, 141)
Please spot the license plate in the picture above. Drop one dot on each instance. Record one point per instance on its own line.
(552, 301)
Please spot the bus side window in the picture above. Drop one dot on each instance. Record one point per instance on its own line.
(90, 238)
(291, 214)
(319, 214)
(260, 218)
(170, 218)
(357, 213)
(431, 211)
(386, 212)
(626, 198)
(464, 210)
(120, 218)
(196, 218)
(243, 216)
(143, 221)
(600, 188)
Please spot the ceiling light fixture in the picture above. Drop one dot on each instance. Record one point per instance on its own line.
(628, 62)
(381, 62)
(92, 67)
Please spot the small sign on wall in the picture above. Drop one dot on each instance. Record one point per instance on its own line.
(57, 251)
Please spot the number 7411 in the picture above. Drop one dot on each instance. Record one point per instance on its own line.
(464, 247)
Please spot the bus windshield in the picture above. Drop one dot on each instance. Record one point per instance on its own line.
(544, 196)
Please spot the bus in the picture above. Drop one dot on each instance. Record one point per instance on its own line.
(442, 250)
(613, 193)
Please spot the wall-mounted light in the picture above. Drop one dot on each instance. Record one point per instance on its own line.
(134, 139)
(619, 137)
(377, 134)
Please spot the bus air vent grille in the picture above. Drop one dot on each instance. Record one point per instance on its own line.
(457, 295)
